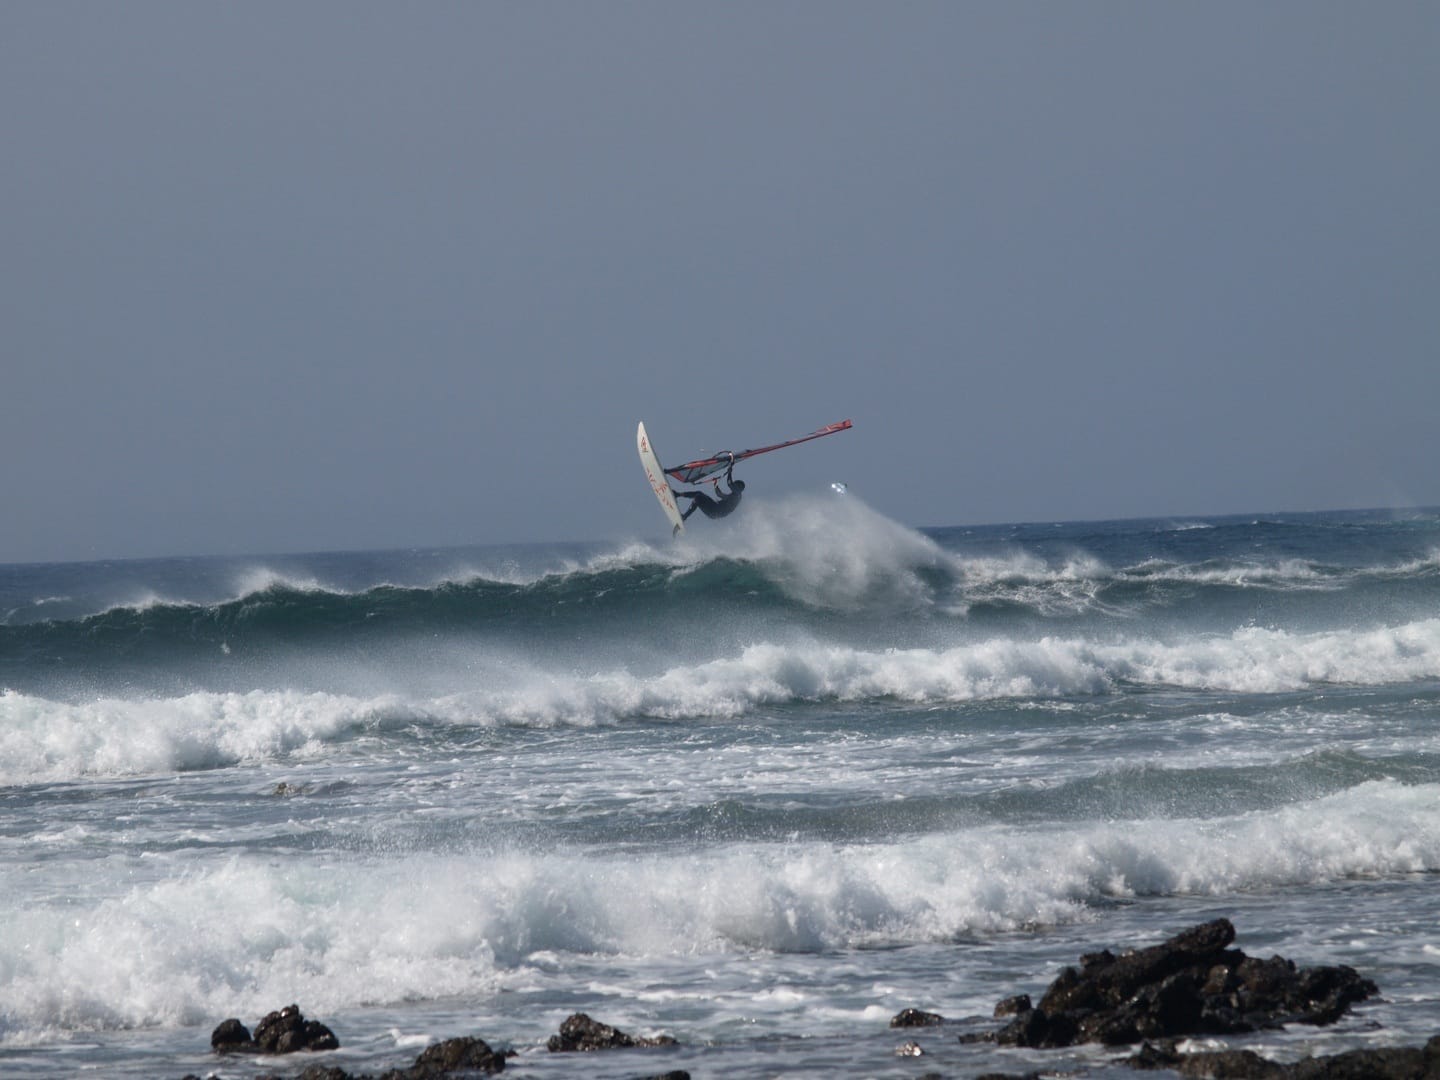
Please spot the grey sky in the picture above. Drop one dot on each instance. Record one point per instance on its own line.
(282, 276)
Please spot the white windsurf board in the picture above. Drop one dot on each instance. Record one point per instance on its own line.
(658, 483)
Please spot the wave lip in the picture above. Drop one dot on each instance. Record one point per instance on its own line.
(806, 557)
(799, 557)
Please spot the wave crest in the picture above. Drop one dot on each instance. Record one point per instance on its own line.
(45, 739)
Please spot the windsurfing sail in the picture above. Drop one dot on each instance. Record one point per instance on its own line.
(701, 470)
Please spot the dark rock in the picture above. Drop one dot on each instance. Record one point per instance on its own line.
(908, 1018)
(579, 1032)
(324, 1072)
(319, 1037)
(673, 1074)
(232, 1037)
(1106, 980)
(282, 1032)
(1328, 992)
(1036, 1027)
(1013, 1006)
(1219, 981)
(1161, 1055)
(282, 1026)
(1070, 992)
(1401, 1063)
(453, 1055)
(1192, 984)
(1230, 1063)
(1391, 1063)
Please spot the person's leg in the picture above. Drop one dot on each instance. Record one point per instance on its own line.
(701, 500)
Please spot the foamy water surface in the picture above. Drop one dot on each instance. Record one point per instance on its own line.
(760, 789)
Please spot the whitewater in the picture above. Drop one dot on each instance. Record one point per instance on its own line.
(758, 789)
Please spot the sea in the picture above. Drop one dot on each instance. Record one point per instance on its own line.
(758, 788)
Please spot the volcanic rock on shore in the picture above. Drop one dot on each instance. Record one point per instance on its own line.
(1195, 983)
(284, 1031)
(579, 1032)
(1192, 984)
(1389, 1063)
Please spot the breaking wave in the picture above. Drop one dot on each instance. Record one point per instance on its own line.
(43, 738)
(236, 935)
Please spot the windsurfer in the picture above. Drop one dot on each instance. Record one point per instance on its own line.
(717, 507)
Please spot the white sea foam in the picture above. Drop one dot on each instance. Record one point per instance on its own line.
(143, 600)
(509, 571)
(189, 941)
(43, 739)
(1075, 583)
(1250, 660)
(1426, 564)
(1277, 574)
(835, 553)
(1058, 587)
(260, 578)
(821, 550)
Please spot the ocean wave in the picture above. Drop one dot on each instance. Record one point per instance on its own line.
(191, 939)
(42, 738)
(1250, 660)
(806, 556)
(1080, 584)
(803, 556)
(279, 611)
(1275, 574)
(1425, 566)
(1022, 570)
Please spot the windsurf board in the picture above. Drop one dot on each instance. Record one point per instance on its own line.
(658, 483)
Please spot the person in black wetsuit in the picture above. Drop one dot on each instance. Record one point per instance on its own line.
(719, 507)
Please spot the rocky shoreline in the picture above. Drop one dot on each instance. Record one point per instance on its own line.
(1193, 984)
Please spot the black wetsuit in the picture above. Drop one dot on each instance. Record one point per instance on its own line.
(714, 508)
